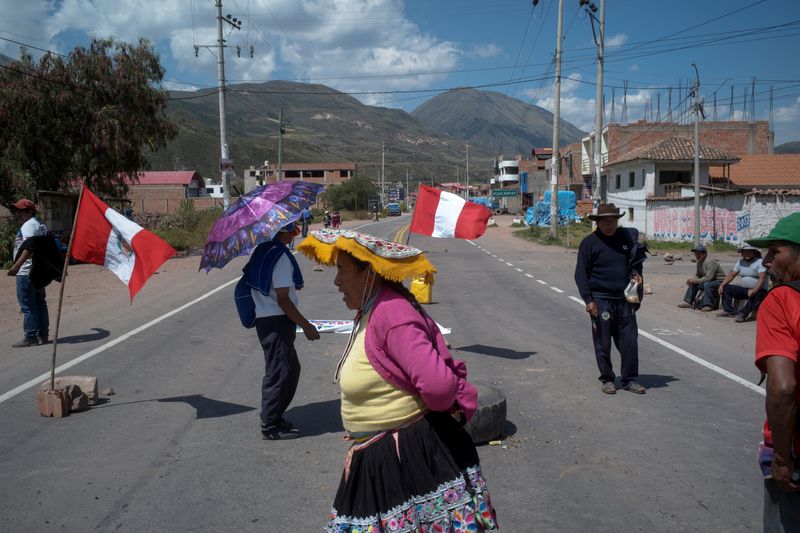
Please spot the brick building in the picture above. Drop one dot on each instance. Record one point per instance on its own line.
(328, 174)
(163, 191)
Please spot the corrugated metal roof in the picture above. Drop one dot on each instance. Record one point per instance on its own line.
(763, 169)
(675, 149)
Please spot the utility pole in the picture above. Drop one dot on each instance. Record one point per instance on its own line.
(466, 178)
(556, 112)
(599, 41)
(383, 162)
(281, 130)
(407, 190)
(223, 133)
(698, 109)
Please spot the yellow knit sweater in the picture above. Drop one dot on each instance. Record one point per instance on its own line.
(370, 403)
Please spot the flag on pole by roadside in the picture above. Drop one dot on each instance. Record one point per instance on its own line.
(102, 236)
(444, 215)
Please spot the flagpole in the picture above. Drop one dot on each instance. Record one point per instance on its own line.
(61, 290)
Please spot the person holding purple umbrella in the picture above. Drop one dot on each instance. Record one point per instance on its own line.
(266, 298)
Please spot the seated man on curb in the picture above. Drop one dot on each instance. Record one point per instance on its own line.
(707, 278)
(752, 288)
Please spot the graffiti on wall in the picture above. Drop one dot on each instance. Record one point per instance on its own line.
(677, 223)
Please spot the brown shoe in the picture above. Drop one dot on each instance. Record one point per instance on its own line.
(635, 388)
(684, 305)
(609, 387)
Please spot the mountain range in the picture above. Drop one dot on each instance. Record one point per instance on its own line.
(322, 124)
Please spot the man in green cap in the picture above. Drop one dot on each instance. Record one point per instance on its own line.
(777, 353)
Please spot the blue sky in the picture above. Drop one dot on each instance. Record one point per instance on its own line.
(399, 53)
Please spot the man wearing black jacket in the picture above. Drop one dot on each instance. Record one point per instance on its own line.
(606, 264)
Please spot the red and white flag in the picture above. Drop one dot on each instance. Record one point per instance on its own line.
(442, 214)
(104, 237)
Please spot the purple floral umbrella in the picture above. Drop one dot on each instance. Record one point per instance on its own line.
(255, 218)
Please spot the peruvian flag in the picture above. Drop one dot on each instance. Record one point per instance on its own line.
(104, 237)
(445, 215)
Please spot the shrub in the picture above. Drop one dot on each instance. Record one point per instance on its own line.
(8, 230)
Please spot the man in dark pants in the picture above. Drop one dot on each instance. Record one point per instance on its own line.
(273, 276)
(778, 356)
(604, 268)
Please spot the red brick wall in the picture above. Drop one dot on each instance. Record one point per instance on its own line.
(733, 137)
(164, 199)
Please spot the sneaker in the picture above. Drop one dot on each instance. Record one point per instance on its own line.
(286, 425)
(634, 388)
(24, 343)
(279, 434)
(725, 314)
(43, 340)
(707, 308)
(741, 318)
(684, 305)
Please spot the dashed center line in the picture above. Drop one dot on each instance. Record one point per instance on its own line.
(518, 269)
(509, 264)
(529, 275)
(542, 282)
(557, 290)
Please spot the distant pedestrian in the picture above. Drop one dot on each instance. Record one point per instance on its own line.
(305, 221)
(752, 288)
(707, 278)
(32, 301)
(336, 219)
(608, 259)
(326, 219)
(777, 354)
(273, 276)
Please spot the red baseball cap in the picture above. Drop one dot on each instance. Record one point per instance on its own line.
(24, 203)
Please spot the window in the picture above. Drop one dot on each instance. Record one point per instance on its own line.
(630, 214)
(209, 190)
(674, 176)
(618, 182)
(631, 179)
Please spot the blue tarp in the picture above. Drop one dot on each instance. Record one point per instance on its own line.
(539, 214)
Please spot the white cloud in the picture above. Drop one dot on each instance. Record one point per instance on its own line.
(616, 40)
(787, 122)
(334, 42)
(484, 51)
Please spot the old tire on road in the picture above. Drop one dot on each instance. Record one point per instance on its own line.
(488, 421)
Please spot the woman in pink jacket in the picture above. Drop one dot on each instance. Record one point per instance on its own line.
(411, 466)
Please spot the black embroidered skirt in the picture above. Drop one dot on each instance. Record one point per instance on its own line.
(425, 477)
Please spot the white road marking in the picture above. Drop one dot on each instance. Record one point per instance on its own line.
(680, 351)
(36, 381)
(509, 264)
(699, 360)
(499, 259)
(518, 269)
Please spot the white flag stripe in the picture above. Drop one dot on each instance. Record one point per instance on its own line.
(120, 258)
(125, 226)
(447, 212)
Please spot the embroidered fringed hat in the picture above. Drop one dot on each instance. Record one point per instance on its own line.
(390, 260)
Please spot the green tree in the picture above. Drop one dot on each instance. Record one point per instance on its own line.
(351, 194)
(93, 115)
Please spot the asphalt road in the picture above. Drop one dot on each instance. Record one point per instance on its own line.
(177, 448)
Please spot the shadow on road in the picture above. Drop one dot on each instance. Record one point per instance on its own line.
(655, 381)
(495, 351)
(209, 408)
(317, 418)
(100, 333)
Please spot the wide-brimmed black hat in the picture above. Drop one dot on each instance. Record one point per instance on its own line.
(605, 211)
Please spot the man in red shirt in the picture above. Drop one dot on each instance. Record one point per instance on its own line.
(777, 352)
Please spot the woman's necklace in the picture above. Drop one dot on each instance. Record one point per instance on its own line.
(365, 309)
